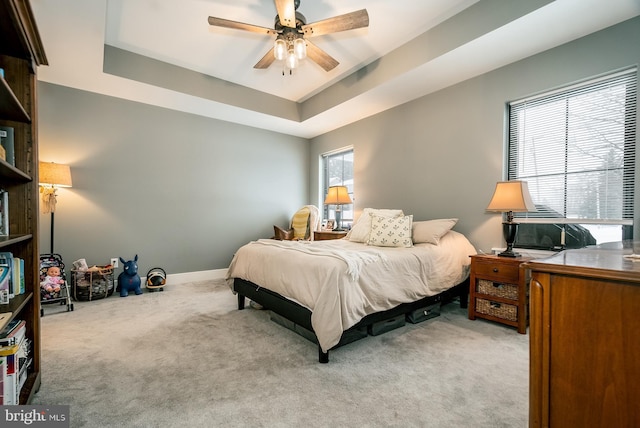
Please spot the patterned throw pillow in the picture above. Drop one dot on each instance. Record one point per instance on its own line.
(360, 231)
(391, 232)
(300, 223)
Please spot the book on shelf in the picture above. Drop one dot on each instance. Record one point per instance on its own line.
(11, 374)
(15, 278)
(6, 260)
(25, 361)
(11, 277)
(4, 284)
(22, 282)
(14, 333)
(4, 213)
(6, 140)
(2, 371)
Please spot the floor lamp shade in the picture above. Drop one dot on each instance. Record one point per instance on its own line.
(338, 195)
(510, 197)
(51, 176)
(54, 174)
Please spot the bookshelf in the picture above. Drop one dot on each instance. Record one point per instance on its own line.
(21, 52)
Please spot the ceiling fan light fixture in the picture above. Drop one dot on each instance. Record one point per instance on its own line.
(300, 48)
(292, 33)
(292, 59)
(280, 49)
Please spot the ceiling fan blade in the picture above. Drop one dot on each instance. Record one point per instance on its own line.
(266, 60)
(226, 23)
(320, 57)
(348, 21)
(287, 12)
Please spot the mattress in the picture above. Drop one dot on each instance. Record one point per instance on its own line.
(341, 281)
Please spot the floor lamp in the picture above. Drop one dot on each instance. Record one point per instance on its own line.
(338, 196)
(52, 176)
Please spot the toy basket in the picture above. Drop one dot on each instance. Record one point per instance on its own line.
(92, 284)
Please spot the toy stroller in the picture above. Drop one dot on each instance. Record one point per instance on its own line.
(53, 283)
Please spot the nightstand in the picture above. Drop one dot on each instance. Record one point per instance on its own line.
(498, 290)
(324, 235)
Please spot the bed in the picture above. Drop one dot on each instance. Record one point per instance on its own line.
(337, 289)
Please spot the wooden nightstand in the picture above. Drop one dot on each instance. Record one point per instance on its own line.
(498, 290)
(323, 235)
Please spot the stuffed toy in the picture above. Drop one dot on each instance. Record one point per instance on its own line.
(52, 282)
(129, 280)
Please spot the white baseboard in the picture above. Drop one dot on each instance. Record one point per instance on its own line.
(180, 278)
(204, 275)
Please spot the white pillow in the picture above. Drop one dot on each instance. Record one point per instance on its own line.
(431, 231)
(360, 231)
(391, 232)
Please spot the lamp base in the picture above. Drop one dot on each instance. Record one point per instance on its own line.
(508, 253)
(509, 231)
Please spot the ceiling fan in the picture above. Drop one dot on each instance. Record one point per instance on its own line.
(292, 33)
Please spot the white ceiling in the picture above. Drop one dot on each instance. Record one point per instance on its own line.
(176, 32)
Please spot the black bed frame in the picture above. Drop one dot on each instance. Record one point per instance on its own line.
(300, 316)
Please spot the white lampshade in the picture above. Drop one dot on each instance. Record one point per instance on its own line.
(337, 195)
(54, 174)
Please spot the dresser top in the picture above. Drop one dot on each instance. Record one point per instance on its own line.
(599, 261)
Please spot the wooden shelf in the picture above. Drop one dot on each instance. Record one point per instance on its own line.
(21, 52)
(10, 107)
(5, 241)
(12, 173)
(17, 303)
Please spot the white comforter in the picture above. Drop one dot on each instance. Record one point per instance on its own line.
(341, 281)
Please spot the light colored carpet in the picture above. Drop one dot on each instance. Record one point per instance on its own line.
(187, 357)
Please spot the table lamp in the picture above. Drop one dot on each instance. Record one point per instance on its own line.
(510, 197)
(338, 195)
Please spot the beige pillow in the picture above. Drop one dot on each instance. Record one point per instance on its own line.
(391, 232)
(360, 231)
(431, 231)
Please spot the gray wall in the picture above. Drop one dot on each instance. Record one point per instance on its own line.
(181, 191)
(441, 155)
(184, 192)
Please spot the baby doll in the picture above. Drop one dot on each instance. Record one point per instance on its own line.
(53, 280)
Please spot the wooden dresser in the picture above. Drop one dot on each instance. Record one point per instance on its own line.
(585, 348)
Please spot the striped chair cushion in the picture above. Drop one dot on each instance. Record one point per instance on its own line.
(300, 224)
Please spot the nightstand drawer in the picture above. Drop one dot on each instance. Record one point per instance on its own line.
(500, 310)
(497, 271)
(498, 289)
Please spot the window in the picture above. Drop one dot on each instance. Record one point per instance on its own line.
(337, 170)
(575, 147)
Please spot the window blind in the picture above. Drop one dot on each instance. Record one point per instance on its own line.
(337, 170)
(575, 147)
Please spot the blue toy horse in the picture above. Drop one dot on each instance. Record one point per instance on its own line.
(129, 280)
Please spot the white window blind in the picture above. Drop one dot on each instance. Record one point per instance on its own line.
(337, 170)
(575, 147)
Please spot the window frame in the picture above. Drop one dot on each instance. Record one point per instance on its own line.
(629, 78)
(325, 184)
